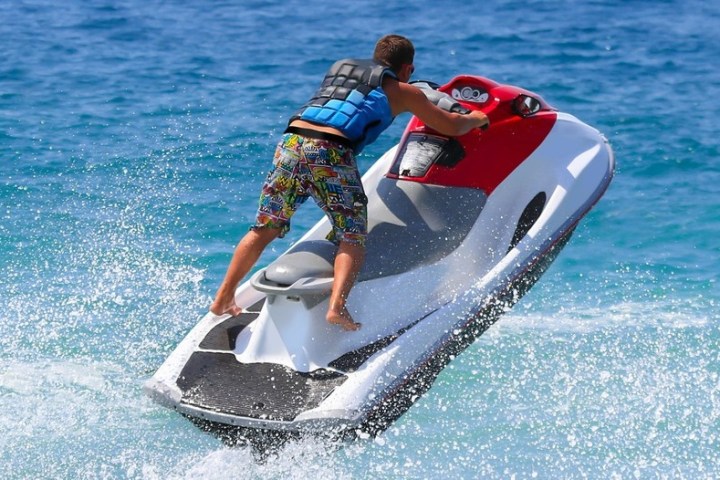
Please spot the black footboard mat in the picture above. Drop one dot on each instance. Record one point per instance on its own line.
(216, 381)
(351, 361)
(224, 334)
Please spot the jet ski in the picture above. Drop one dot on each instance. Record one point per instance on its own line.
(459, 229)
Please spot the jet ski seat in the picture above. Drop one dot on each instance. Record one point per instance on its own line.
(404, 219)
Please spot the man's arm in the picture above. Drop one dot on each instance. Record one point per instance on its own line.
(407, 98)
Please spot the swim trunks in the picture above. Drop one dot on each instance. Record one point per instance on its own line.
(320, 168)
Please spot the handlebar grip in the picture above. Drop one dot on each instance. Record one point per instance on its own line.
(457, 108)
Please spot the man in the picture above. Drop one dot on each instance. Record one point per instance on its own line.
(357, 100)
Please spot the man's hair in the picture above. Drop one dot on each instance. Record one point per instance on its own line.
(394, 51)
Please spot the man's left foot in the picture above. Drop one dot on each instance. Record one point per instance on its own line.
(221, 307)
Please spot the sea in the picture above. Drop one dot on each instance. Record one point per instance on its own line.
(135, 135)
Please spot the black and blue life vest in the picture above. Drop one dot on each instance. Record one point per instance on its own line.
(351, 99)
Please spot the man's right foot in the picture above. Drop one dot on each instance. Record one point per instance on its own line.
(343, 319)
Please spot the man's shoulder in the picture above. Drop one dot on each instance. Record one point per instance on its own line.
(394, 87)
(403, 97)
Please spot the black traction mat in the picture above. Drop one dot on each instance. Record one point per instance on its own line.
(217, 381)
(224, 334)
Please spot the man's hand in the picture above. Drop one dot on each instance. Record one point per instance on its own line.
(481, 120)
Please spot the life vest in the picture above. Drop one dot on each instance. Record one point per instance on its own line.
(351, 99)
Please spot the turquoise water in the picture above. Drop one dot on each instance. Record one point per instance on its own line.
(133, 140)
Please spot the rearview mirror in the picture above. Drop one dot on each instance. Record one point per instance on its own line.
(525, 106)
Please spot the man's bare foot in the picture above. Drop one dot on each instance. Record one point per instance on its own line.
(221, 307)
(343, 319)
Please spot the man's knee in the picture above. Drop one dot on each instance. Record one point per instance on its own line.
(354, 250)
(266, 234)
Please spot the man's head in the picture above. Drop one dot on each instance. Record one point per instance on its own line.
(398, 53)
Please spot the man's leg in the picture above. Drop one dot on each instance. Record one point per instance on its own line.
(348, 261)
(246, 254)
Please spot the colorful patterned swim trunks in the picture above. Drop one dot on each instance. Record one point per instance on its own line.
(323, 169)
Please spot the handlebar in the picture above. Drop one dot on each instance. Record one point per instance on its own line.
(443, 100)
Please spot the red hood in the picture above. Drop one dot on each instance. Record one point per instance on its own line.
(489, 155)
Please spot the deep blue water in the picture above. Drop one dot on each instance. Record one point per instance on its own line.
(134, 136)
